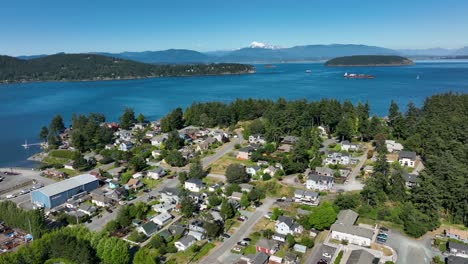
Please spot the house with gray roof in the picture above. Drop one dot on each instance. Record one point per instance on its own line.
(344, 229)
(407, 158)
(184, 243)
(285, 225)
(162, 219)
(319, 182)
(306, 197)
(156, 173)
(457, 249)
(411, 180)
(193, 185)
(325, 171)
(177, 229)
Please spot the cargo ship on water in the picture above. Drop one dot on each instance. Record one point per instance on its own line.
(358, 76)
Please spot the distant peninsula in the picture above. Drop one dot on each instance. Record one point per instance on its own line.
(369, 60)
(92, 67)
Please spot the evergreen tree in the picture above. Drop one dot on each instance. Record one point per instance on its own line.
(227, 210)
(127, 119)
(43, 133)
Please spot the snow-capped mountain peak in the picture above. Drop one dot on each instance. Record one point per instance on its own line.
(260, 45)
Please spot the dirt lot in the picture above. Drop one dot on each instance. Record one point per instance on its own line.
(219, 166)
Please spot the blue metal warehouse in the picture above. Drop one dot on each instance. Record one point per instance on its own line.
(58, 193)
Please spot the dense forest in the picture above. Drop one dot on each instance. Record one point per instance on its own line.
(369, 60)
(74, 67)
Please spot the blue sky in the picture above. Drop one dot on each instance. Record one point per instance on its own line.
(36, 27)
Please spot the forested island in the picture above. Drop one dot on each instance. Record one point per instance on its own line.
(369, 60)
(83, 67)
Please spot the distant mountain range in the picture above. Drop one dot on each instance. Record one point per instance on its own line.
(262, 53)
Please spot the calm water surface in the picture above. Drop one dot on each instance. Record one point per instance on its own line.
(24, 108)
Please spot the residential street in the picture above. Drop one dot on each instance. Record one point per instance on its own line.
(411, 250)
(219, 253)
(223, 150)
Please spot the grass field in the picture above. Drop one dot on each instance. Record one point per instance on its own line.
(219, 167)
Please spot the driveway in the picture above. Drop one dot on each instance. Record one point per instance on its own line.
(223, 150)
(352, 184)
(317, 253)
(219, 254)
(409, 250)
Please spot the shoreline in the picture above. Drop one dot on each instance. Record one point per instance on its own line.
(372, 65)
(126, 78)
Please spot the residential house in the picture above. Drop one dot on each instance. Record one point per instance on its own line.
(213, 187)
(455, 260)
(393, 146)
(300, 248)
(124, 135)
(216, 216)
(289, 140)
(334, 158)
(362, 256)
(99, 198)
(156, 153)
(170, 195)
(322, 131)
(257, 139)
(369, 169)
(69, 166)
(270, 171)
(348, 146)
(252, 170)
(137, 222)
(279, 237)
(236, 196)
(193, 185)
(158, 140)
(344, 229)
(148, 228)
(284, 148)
(221, 137)
(177, 229)
(267, 246)
(125, 146)
(164, 207)
(133, 184)
(344, 173)
(290, 258)
(257, 258)
(139, 126)
(165, 234)
(118, 193)
(457, 249)
(325, 171)
(262, 163)
(321, 183)
(150, 134)
(156, 173)
(87, 209)
(306, 197)
(184, 243)
(196, 225)
(137, 175)
(285, 225)
(197, 235)
(407, 158)
(411, 180)
(203, 146)
(458, 234)
(245, 187)
(162, 218)
(244, 153)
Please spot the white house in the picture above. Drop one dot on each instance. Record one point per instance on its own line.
(137, 175)
(87, 209)
(348, 146)
(270, 171)
(245, 187)
(156, 173)
(197, 235)
(193, 185)
(324, 171)
(252, 170)
(344, 229)
(162, 218)
(319, 182)
(257, 139)
(158, 140)
(196, 225)
(393, 146)
(125, 146)
(184, 243)
(285, 225)
(306, 197)
(99, 198)
(458, 249)
(407, 158)
(334, 158)
(164, 207)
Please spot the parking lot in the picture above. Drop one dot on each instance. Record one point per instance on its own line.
(322, 253)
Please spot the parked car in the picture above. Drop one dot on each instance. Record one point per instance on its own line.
(243, 217)
(268, 215)
(383, 229)
(225, 235)
(240, 219)
(247, 239)
(109, 210)
(326, 254)
(322, 261)
(11, 196)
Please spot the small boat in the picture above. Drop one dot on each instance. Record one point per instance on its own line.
(308, 71)
(357, 76)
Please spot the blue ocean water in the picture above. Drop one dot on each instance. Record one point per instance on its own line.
(24, 108)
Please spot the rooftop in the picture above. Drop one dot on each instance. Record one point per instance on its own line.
(362, 257)
(353, 230)
(347, 217)
(67, 184)
(407, 154)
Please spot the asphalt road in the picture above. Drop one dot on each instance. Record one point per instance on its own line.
(218, 254)
(226, 148)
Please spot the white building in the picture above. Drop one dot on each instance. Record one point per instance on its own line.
(125, 146)
(156, 173)
(158, 140)
(193, 185)
(306, 197)
(257, 139)
(319, 182)
(344, 229)
(162, 218)
(334, 158)
(184, 243)
(197, 235)
(393, 146)
(407, 158)
(348, 146)
(285, 225)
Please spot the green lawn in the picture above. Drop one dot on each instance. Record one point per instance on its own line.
(70, 173)
(203, 251)
(151, 183)
(62, 153)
